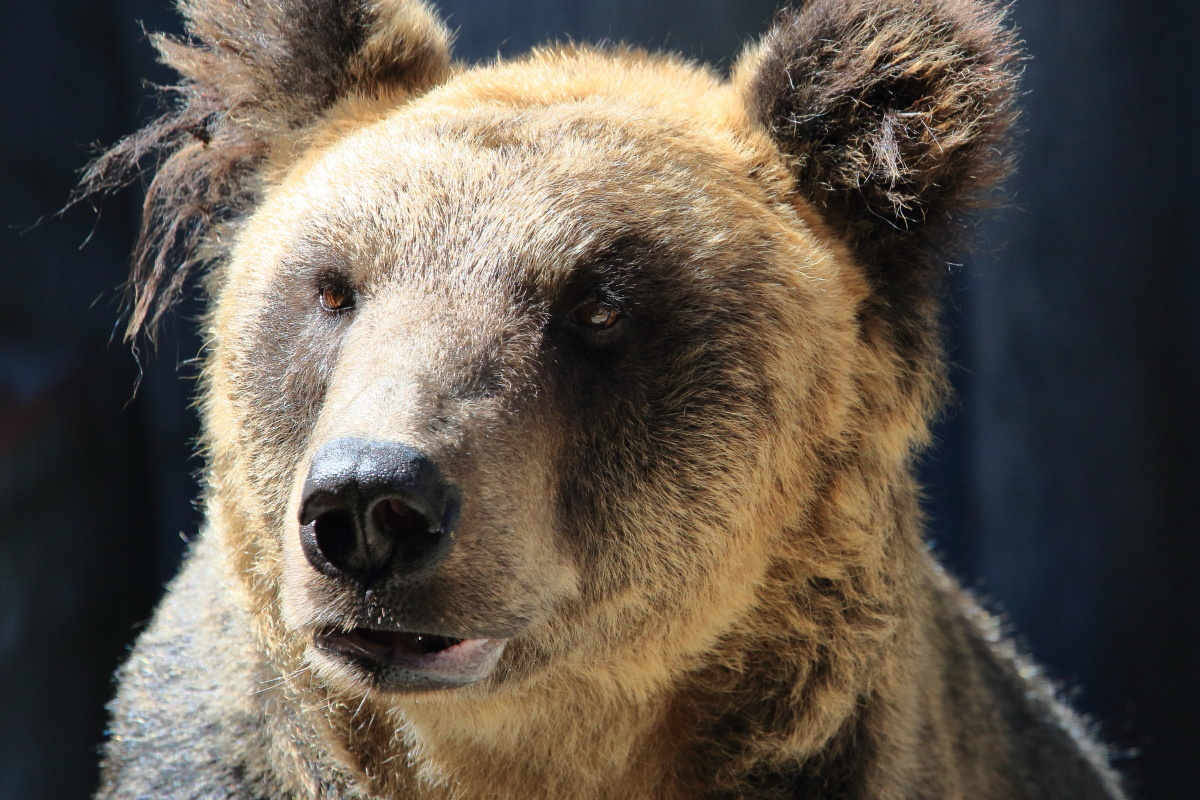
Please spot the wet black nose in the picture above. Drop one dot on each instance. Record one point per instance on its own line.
(376, 510)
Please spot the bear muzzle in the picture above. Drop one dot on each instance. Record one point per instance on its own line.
(378, 513)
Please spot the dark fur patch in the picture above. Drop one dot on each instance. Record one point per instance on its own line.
(286, 373)
(895, 113)
(252, 70)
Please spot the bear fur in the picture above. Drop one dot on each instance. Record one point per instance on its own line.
(668, 343)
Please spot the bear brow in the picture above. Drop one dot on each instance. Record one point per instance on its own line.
(311, 254)
(604, 264)
(629, 251)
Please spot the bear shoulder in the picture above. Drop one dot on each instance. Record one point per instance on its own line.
(178, 728)
(1020, 727)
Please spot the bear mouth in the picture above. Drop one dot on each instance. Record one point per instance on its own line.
(398, 660)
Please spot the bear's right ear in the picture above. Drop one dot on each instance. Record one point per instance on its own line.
(894, 115)
(254, 73)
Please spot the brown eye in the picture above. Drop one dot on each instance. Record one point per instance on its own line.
(595, 314)
(337, 297)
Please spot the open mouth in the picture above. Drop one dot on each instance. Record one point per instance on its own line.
(404, 659)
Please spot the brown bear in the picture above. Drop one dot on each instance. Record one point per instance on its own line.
(560, 416)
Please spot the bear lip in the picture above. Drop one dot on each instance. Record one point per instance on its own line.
(427, 657)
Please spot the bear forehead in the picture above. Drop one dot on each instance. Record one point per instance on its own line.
(575, 152)
(544, 185)
(565, 126)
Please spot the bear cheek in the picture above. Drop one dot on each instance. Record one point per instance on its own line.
(280, 379)
(274, 356)
(650, 469)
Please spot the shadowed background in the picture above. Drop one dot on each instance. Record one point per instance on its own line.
(1065, 485)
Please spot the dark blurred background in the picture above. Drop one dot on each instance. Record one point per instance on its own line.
(1065, 485)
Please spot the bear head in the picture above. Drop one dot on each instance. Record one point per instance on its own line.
(565, 383)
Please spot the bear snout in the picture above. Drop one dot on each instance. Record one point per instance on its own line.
(376, 510)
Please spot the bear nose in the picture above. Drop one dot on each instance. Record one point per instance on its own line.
(374, 509)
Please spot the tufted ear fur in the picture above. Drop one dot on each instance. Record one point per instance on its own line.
(894, 114)
(255, 72)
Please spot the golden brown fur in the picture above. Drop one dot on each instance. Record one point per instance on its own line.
(700, 535)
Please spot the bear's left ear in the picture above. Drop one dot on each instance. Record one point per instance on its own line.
(894, 116)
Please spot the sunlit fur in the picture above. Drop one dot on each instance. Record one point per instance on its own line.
(713, 554)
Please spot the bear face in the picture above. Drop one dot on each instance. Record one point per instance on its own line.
(509, 286)
(559, 415)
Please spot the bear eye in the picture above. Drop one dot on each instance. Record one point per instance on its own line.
(596, 314)
(336, 297)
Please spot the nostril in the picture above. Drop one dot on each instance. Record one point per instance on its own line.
(336, 538)
(414, 535)
(396, 520)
